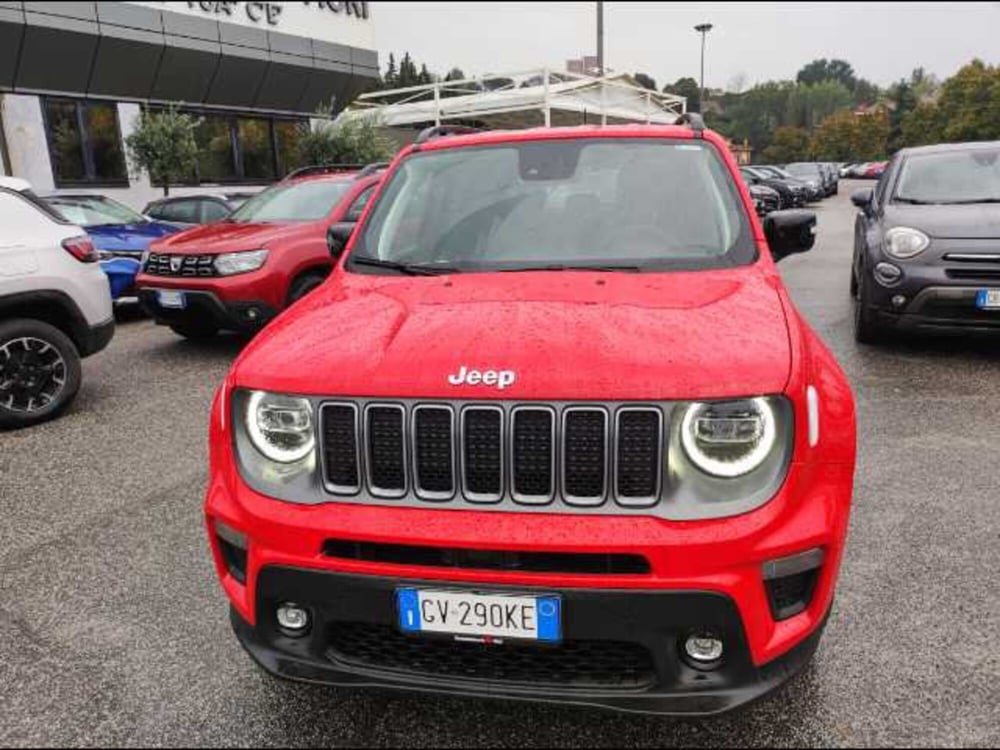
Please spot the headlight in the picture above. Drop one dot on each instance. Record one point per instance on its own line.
(229, 264)
(144, 259)
(280, 427)
(904, 242)
(728, 439)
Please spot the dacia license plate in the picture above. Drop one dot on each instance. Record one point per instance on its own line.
(478, 617)
(171, 298)
(988, 299)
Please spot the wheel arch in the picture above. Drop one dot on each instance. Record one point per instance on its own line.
(50, 306)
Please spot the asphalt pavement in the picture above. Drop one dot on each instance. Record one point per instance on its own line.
(113, 630)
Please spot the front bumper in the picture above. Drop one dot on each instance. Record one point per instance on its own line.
(245, 316)
(621, 649)
(933, 303)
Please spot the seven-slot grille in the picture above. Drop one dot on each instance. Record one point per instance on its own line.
(527, 454)
(159, 264)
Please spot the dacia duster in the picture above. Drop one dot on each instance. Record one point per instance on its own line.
(552, 430)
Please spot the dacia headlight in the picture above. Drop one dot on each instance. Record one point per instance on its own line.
(905, 242)
(230, 264)
(729, 439)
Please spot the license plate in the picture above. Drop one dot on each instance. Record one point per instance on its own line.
(988, 299)
(472, 616)
(171, 298)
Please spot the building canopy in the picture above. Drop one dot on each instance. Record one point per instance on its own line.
(528, 99)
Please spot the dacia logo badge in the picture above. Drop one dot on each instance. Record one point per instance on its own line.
(175, 263)
(498, 378)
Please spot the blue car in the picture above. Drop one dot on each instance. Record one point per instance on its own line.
(120, 235)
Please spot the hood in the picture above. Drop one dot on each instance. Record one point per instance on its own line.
(225, 237)
(972, 221)
(122, 237)
(565, 335)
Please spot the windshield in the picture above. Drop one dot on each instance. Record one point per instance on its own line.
(967, 176)
(560, 203)
(93, 212)
(308, 200)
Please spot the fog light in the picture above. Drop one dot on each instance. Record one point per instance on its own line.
(293, 618)
(703, 649)
(887, 274)
(898, 300)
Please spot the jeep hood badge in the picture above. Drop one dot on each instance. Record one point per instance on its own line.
(499, 378)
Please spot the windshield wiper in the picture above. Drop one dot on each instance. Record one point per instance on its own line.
(913, 201)
(411, 269)
(970, 201)
(569, 267)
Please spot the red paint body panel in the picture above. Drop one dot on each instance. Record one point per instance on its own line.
(570, 336)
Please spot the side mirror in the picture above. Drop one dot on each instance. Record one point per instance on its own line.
(338, 235)
(862, 198)
(790, 232)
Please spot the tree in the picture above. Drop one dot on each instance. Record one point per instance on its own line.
(424, 76)
(455, 74)
(790, 144)
(687, 87)
(357, 140)
(645, 81)
(903, 100)
(847, 136)
(810, 104)
(970, 101)
(923, 125)
(391, 79)
(162, 144)
(827, 70)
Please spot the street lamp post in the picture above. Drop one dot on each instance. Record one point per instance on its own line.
(703, 29)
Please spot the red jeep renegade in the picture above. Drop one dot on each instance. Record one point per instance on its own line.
(237, 274)
(552, 430)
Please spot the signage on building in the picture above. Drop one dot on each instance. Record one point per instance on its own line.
(344, 22)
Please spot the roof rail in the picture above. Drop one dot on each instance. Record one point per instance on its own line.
(323, 169)
(372, 168)
(692, 119)
(441, 131)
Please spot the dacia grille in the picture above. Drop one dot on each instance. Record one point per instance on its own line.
(574, 455)
(164, 264)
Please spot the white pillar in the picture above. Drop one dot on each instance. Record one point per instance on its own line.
(546, 108)
(26, 142)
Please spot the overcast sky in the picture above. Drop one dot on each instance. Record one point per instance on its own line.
(755, 41)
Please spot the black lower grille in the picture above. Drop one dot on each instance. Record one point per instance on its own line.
(482, 448)
(340, 446)
(386, 449)
(639, 455)
(532, 452)
(583, 664)
(578, 563)
(790, 595)
(433, 459)
(585, 434)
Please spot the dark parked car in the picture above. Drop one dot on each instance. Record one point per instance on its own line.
(927, 243)
(812, 172)
(189, 210)
(791, 192)
(765, 199)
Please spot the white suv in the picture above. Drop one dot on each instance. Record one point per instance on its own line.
(55, 307)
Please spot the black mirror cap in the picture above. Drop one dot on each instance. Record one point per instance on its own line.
(790, 232)
(862, 198)
(338, 235)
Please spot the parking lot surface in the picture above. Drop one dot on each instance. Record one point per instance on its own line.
(114, 632)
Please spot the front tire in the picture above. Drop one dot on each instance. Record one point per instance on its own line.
(303, 285)
(40, 372)
(867, 328)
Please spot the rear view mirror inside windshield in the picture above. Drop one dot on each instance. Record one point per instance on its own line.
(548, 160)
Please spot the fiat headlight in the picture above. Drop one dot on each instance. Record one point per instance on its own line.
(731, 438)
(230, 264)
(905, 242)
(280, 427)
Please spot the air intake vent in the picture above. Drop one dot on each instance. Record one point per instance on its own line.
(639, 456)
(532, 455)
(585, 448)
(434, 470)
(386, 450)
(482, 453)
(340, 448)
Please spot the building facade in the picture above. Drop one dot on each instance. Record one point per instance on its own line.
(75, 75)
